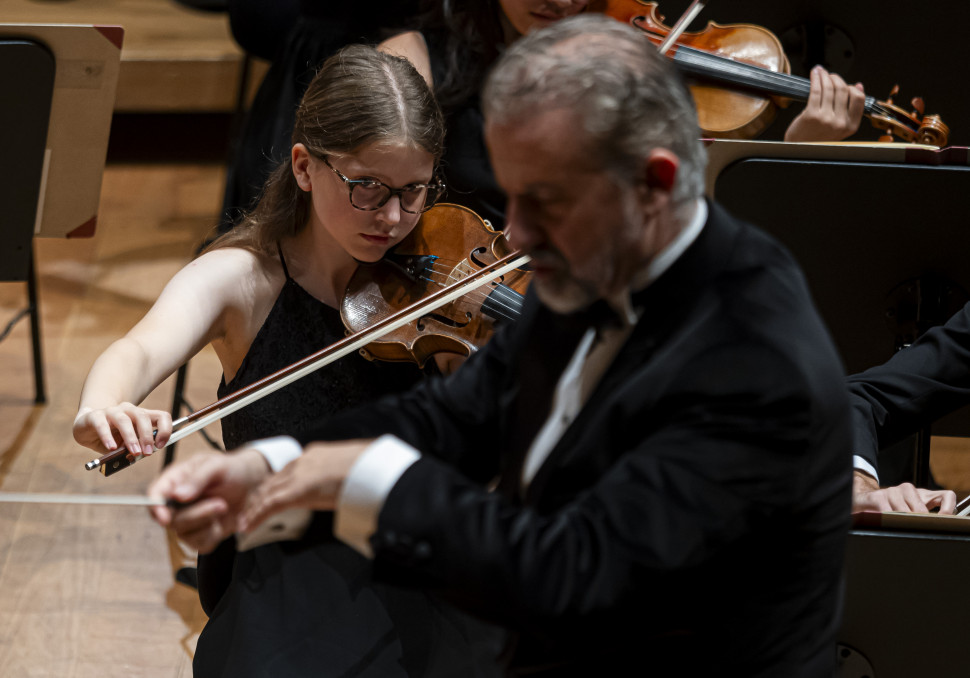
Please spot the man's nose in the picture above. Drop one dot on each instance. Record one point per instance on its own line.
(523, 234)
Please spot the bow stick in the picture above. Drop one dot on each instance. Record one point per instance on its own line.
(117, 459)
(681, 25)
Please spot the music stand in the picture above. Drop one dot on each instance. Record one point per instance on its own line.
(26, 68)
(879, 232)
(59, 84)
(904, 609)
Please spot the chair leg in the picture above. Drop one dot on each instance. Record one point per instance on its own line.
(177, 400)
(40, 393)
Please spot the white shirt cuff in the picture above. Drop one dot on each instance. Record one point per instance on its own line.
(366, 487)
(278, 451)
(286, 525)
(861, 464)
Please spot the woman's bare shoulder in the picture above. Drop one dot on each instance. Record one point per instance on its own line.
(235, 260)
(232, 269)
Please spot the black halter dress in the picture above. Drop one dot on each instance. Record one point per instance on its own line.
(310, 607)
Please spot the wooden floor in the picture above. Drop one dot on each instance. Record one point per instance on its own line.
(88, 591)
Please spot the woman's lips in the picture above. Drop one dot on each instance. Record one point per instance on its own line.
(376, 239)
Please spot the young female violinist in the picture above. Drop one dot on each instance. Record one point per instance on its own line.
(366, 141)
(460, 41)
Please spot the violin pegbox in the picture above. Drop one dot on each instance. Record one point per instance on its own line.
(912, 126)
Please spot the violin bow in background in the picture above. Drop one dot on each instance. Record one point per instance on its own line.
(682, 23)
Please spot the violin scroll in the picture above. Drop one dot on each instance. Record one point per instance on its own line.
(912, 126)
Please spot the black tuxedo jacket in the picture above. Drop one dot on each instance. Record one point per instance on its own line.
(915, 387)
(692, 519)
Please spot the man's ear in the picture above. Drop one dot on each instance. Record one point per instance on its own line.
(658, 178)
(661, 170)
(300, 159)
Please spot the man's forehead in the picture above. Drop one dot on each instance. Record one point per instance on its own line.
(538, 127)
(549, 142)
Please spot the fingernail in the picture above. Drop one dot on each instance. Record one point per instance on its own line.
(148, 449)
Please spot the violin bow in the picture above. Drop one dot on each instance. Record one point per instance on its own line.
(88, 499)
(689, 14)
(117, 459)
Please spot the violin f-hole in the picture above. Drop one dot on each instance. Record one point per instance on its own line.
(444, 320)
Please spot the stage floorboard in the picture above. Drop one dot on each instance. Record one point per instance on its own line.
(88, 591)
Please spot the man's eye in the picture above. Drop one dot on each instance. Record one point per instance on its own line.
(541, 205)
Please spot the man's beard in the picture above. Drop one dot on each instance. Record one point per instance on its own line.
(565, 294)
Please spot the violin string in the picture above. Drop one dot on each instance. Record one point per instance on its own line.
(447, 272)
(697, 62)
(512, 309)
(701, 63)
(477, 295)
(501, 298)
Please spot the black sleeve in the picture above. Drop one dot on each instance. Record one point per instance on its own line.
(915, 387)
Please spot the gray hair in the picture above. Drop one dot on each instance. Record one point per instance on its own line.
(630, 99)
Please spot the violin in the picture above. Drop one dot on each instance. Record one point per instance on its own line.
(416, 304)
(741, 75)
(449, 243)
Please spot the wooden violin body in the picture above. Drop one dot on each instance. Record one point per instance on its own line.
(739, 73)
(448, 244)
(722, 112)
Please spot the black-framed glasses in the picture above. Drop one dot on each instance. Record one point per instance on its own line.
(370, 194)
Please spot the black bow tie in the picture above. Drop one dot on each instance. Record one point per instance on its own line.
(599, 315)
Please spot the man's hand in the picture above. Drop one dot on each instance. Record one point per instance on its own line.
(312, 481)
(833, 111)
(215, 488)
(905, 498)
